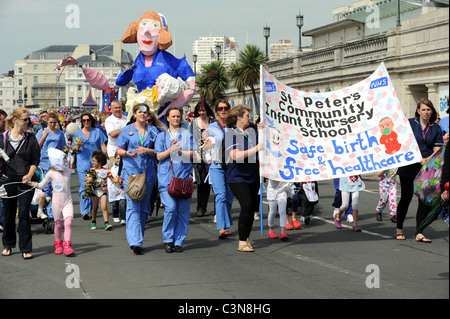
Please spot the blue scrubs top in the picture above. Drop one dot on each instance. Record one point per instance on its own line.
(246, 171)
(91, 144)
(129, 140)
(163, 62)
(182, 167)
(57, 140)
(215, 131)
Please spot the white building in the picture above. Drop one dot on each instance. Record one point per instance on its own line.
(206, 52)
(7, 102)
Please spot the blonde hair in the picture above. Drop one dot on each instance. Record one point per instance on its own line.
(238, 110)
(17, 113)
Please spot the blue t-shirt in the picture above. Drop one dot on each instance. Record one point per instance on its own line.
(247, 170)
(91, 144)
(57, 140)
(182, 167)
(129, 140)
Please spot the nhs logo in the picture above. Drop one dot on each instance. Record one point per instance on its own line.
(270, 87)
(379, 83)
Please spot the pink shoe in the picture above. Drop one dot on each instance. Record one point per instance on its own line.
(284, 236)
(272, 235)
(296, 223)
(68, 250)
(58, 247)
(289, 226)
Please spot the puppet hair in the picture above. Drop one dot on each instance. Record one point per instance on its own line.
(165, 38)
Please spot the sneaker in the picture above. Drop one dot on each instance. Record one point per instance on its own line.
(337, 223)
(86, 216)
(93, 226)
(41, 215)
(284, 236)
(108, 226)
(123, 222)
(58, 247)
(350, 218)
(116, 220)
(68, 250)
(356, 229)
(272, 235)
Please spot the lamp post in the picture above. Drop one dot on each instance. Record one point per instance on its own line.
(194, 59)
(267, 35)
(218, 51)
(299, 25)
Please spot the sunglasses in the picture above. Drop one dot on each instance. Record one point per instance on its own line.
(26, 120)
(86, 120)
(220, 108)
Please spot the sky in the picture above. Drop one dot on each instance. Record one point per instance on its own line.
(27, 26)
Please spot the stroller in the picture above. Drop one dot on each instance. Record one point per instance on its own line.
(47, 223)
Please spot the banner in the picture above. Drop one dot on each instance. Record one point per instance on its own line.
(357, 130)
(107, 97)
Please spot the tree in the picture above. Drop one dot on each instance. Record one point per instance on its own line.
(213, 81)
(248, 66)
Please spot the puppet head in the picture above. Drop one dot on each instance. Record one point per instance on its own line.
(149, 32)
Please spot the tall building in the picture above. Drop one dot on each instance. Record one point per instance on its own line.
(38, 85)
(206, 52)
(281, 50)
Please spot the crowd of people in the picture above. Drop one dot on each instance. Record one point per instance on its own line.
(215, 146)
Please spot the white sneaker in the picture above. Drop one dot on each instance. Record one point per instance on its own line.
(41, 215)
(123, 222)
(116, 220)
(350, 218)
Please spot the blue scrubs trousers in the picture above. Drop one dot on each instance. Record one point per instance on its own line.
(176, 218)
(85, 204)
(224, 198)
(136, 216)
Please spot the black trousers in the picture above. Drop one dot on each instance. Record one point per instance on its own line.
(248, 198)
(407, 192)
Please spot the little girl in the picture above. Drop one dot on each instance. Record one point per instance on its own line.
(62, 206)
(99, 160)
(350, 186)
(388, 193)
(277, 195)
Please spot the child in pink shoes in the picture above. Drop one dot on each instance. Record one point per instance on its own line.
(62, 206)
(277, 195)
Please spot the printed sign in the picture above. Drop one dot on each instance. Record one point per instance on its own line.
(360, 129)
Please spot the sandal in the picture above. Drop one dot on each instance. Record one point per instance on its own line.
(423, 240)
(27, 257)
(245, 248)
(222, 234)
(400, 235)
(6, 252)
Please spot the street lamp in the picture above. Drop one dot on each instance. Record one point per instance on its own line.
(299, 25)
(194, 59)
(218, 51)
(267, 35)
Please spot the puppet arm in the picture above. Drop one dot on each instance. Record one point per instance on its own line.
(186, 95)
(125, 77)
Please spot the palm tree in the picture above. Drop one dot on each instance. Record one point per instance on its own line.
(249, 61)
(213, 81)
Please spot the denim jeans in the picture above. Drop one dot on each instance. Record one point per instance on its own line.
(9, 222)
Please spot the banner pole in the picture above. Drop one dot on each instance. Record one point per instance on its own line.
(261, 119)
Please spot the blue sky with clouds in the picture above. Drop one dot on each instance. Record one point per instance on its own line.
(26, 26)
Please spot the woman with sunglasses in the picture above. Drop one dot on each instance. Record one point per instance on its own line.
(135, 145)
(23, 151)
(223, 195)
(85, 142)
(49, 137)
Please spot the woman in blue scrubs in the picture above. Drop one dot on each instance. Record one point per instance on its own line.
(90, 139)
(177, 145)
(136, 147)
(49, 137)
(223, 195)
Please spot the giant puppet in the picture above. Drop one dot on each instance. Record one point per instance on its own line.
(161, 79)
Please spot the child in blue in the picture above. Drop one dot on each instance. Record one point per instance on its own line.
(136, 147)
(85, 142)
(49, 137)
(175, 145)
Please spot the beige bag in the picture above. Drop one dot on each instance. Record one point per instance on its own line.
(136, 187)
